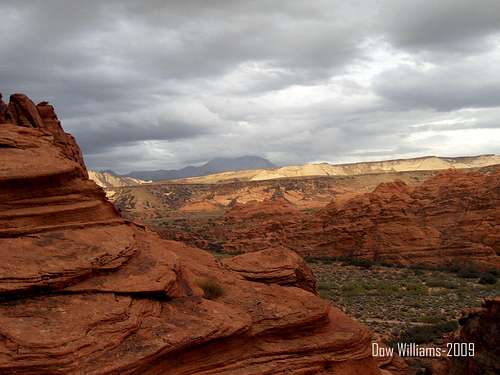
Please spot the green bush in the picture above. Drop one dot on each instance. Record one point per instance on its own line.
(441, 283)
(487, 278)
(358, 262)
(469, 272)
(427, 333)
(319, 259)
(494, 272)
(211, 288)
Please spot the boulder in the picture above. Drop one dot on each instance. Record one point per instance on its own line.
(273, 266)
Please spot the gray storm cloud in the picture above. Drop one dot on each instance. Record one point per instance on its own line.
(160, 84)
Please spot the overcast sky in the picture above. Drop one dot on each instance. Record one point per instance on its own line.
(162, 84)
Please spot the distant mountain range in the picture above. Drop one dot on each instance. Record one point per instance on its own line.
(216, 165)
(425, 163)
(254, 168)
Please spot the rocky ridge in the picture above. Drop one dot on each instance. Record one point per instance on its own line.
(426, 163)
(84, 291)
(452, 217)
(108, 180)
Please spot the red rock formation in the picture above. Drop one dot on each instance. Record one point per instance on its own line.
(259, 225)
(84, 291)
(480, 326)
(277, 266)
(451, 217)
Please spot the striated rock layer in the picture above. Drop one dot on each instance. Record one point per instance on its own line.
(452, 217)
(83, 291)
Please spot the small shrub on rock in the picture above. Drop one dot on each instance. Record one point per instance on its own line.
(211, 288)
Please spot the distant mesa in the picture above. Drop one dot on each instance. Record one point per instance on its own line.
(255, 168)
(109, 179)
(425, 163)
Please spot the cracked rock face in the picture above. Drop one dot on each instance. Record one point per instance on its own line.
(83, 291)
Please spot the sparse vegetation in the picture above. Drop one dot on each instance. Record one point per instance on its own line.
(211, 288)
(469, 272)
(396, 299)
(424, 333)
(358, 262)
(487, 278)
(441, 283)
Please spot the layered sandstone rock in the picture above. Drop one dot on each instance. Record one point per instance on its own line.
(453, 217)
(83, 291)
(273, 266)
(259, 225)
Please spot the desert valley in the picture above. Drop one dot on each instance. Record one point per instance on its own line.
(249, 187)
(405, 246)
(152, 305)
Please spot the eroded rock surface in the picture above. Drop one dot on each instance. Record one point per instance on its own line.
(83, 291)
(273, 266)
(452, 217)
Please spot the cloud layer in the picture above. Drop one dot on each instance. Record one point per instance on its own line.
(161, 84)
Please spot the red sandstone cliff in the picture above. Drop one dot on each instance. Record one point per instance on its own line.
(453, 216)
(84, 291)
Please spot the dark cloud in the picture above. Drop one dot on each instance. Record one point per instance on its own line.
(160, 84)
(444, 88)
(449, 26)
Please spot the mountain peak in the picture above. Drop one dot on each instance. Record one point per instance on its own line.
(215, 165)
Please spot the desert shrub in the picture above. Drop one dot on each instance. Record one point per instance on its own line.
(418, 272)
(468, 272)
(453, 266)
(446, 327)
(353, 289)
(215, 247)
(319, 259)
(494, 272)
(358, 262)
(487, 278)
(432, 319)
(427, 333)
(419, 266)
(441, 283)
(211, 288)
(415, 288)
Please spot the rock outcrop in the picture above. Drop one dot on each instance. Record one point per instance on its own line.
(452, 217)
(83, 291)
(257, 226)
(480, 327)
(273, 266)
